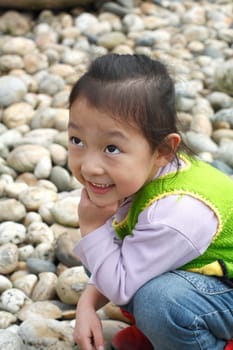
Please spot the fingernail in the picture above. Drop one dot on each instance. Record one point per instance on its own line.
(100, 347)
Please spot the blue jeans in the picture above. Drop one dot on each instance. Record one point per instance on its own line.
(183, 310)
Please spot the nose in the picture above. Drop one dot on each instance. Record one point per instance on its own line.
(92, 165)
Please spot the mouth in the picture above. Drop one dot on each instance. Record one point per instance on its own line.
(100, 188)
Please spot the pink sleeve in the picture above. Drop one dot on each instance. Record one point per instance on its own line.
(169, 233)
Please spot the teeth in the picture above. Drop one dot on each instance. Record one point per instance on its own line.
(100, 185)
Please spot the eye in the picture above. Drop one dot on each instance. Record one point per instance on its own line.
(76, 141)
(112, 149)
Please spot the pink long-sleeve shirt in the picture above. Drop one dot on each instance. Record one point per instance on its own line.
(169, 233)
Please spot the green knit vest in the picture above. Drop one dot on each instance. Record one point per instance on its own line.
(202, 181)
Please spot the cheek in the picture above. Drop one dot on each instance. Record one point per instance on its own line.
(130, 185)
(73, 164)
(70, 162)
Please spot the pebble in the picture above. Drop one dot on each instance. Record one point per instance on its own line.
(12, 90)
(41, 56)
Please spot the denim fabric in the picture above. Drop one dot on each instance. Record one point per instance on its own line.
(182, 310)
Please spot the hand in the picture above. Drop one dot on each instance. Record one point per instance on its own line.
(91, 216)
(88, 330)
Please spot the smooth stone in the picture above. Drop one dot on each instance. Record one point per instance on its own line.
(225, 153)
(58, 154)
(9, 62)
(45, 289)
(14, 23)
(111, 40)
(62, 139)
(45, 212)
(17, 45)
(220, 100)
(8, 258)
(64, 211)
(59, 230)
(226, 34)
(110, 328)
(61, 119)
(64, 248)
(20, 113)
(61, 69)
(12, 90)
(195, 32)
(12, 232)
(222, 166)
(184, 104)
(11, 210)
(34, 197)
(114, 312)
(222, 134)
(6, 319)
(39, 232)
(38, 265)
(26, 283)
(224, 77)
(5, 169)
(184, 121)
(13, 300)
(13, 190)
(225, 115)
(44, 118)
(10, 341)
(201, 124)
(200, 142)
(21, 271)
(25, 157)
(27, 178)
(85, 21)
(34, 62)
(41, 136)
(202, 106)
(25, 252)
(60, 99)
(70, 284)
(51, 84)
(38, 310)
(45, 251)
(115, 8)
(44, 183)
(5, 284)
(43, 168)
(61, 178)
(194, 15)
(43, 333)
(133, 23)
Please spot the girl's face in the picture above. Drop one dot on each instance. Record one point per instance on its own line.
(111, 158)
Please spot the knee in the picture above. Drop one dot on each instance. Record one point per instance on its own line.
(160, 303)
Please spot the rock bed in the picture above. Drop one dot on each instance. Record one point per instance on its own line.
(41, 56)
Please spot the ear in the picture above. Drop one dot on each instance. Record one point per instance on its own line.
(165, 152)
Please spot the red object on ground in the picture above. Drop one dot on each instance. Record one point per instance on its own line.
(131, 338)
(229, 345)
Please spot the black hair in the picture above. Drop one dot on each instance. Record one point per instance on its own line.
(133, 87)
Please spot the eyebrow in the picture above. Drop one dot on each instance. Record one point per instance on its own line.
(110, 133)
(72, 125)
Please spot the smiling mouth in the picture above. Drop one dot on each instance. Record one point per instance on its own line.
(101, 185)
(100, 188)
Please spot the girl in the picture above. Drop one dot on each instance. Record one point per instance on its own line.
(156, 224)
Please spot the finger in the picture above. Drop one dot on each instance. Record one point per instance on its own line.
(99, 339)
(84, 194)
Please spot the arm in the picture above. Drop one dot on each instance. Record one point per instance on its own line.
(88, 329)
(168, 235)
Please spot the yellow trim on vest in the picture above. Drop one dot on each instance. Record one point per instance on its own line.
(212, 269)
